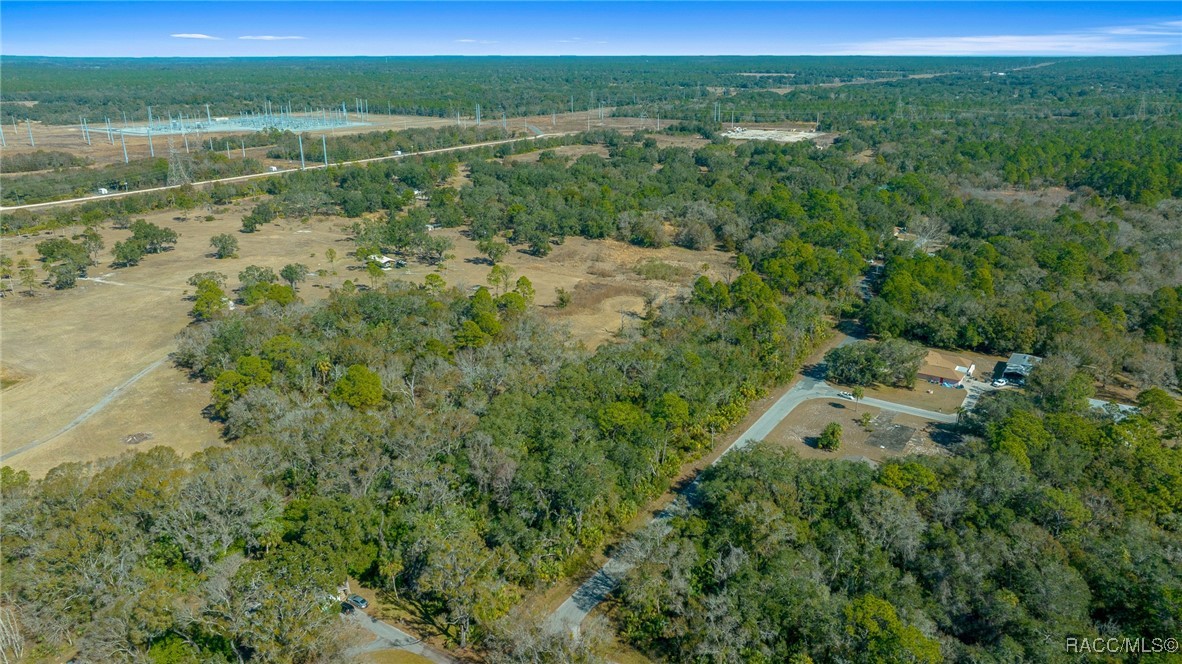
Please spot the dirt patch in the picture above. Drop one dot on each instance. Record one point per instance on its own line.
(864, 157)
(1045, 198)
(571, 152)
(679, 141)
(888, 434)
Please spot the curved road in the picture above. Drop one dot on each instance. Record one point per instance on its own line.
(387, 636)
(586, 597)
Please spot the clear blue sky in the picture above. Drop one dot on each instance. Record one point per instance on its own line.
(161, 28)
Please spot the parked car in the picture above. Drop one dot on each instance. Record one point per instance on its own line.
(846, 395)
(1001, 382)
(347, 608)
(358, 601)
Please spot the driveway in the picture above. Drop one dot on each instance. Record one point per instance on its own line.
(586, 597)
(388, 636)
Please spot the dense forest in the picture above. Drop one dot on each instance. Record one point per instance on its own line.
(456, 451)
(436, 86)
(1051, 524)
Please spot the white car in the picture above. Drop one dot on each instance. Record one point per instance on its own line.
(846, 395)
(1001, 382)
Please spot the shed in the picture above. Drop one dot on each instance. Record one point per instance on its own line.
(1019, 366)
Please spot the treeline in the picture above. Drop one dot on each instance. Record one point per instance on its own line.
(454, 451)
(1050, 523)
(41, 160)
(139, 174)
(352, 147)
(1071, 284)
(436, 86)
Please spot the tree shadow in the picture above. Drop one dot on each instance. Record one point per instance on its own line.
(816, 371)
(944, 435)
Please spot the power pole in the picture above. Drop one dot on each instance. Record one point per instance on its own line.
(301, 139)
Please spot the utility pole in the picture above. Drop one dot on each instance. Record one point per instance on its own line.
(151, 148)
(301, 139)
(30, 125)
(324, 149)
(123, 140)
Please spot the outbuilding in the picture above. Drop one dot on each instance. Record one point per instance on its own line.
(1019, 366)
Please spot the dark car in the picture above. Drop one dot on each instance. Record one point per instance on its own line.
(358, 601)
(347, 608)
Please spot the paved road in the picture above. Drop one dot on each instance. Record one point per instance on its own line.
(388, 636)
(267, 174)
(586, 597)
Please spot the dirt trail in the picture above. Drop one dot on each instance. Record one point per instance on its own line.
(88, 413)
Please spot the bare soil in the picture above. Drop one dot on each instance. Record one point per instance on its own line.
(571, 152)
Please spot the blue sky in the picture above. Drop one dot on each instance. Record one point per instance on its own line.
(281, 28)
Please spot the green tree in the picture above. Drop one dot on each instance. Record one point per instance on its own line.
(494, 249)
(830, 439)
(27, 276)
(374, 271)
(876, 634)
(1157, 405)
(360, 388)
(64, 276)
(525, 289)
(92, 242)
(294, 273)
(210, 301)
(129, 252)
(224, 245)
(562, 298)
(499, 277)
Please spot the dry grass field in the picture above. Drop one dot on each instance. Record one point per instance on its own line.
(86, 368)
(889, 434)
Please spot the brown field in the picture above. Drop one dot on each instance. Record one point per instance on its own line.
(571, 152)
(1046, 198)
(924, 395)
(889, 435)
(65, 353)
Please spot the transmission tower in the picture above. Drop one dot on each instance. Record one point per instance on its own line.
(178, 166)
